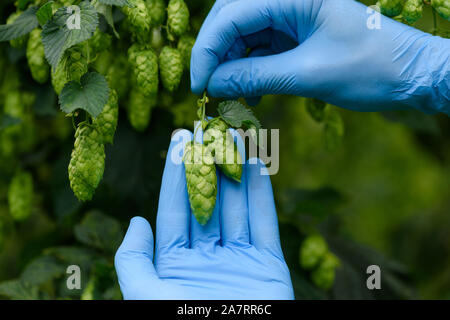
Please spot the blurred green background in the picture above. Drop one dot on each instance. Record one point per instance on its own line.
(381, 197)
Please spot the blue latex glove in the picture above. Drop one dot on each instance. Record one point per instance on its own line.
(236, 255)
(326, 51)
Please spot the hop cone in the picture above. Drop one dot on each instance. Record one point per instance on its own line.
(312, 250)
(171, 67)
(59, 78)
(87, 162)
(185, 45)
(323, 276)
(20, 196)
(21, 41)
(412, 11)
(391, 8)
(157, 11)
(139, 18)
(145, 68)
(221, 143)
(36, 57)
(442, 7)
(177, 17)
(316, 109)
(99, 42)
(139, 109)
(75, 63)
(106, 122)
(118, 75)
(201, 181)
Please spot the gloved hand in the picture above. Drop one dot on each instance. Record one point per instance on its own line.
(236, 255)
(322, 49)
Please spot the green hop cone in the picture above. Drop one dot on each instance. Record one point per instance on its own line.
(323, 276)
(177, 17)
(391, 8)
(118, 75)
(20, 196)
(22, 40)
(145, 69)
(334, 128)
(139, 18)
(106, 121)
(87, 162)
(75, 63)
(412, 11)
(316, 109)
(442, 7)
(99, 42)
(59, 78)
(201, 180)
(222, 146)
(157, 11)
(312, 251)
(39, 68)
(171, 67)
(139, 109)
(185, 45)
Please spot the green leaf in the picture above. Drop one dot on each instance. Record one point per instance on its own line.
(72, 255)
(22, 4)
(41, 270)
(18, 290)
(91, 94)
(99, 231)
(45, 13)
(24, 24)
(119, 3)
(237, 115)
(57, 37)
(106, 12)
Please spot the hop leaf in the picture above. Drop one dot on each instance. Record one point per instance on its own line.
(145, 68)
(185, 45)
(18, 25)
(20, 195)
(171, 67)
(222, 146)
(106, 122)
(177, 17)
(36, 57)
(87, 162)
(139, 110)
(201, 180)
(237, 115)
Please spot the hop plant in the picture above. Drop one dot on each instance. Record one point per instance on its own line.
(222, 146)
(171, 67)
(106, 122)
(118, 75)
(36, 57)
(20, 196)
(145, 68)
(442, 7)
(312, 250)
(139, 109)
(87, 162)
(185, 45)
(412, 11)
(139, 18)
(157, 11)
(177, 17)
(21, 41)
(391, 8)
(201, 181)
(323, 276)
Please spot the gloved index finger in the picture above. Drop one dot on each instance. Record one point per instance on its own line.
(233, 21)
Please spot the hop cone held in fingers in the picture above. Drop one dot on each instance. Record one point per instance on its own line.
(171, 67)
(201, 180)
(36, 57)
(87, 162)
(145, 68)
(106, 121)
(20, 195)
(225, 151)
